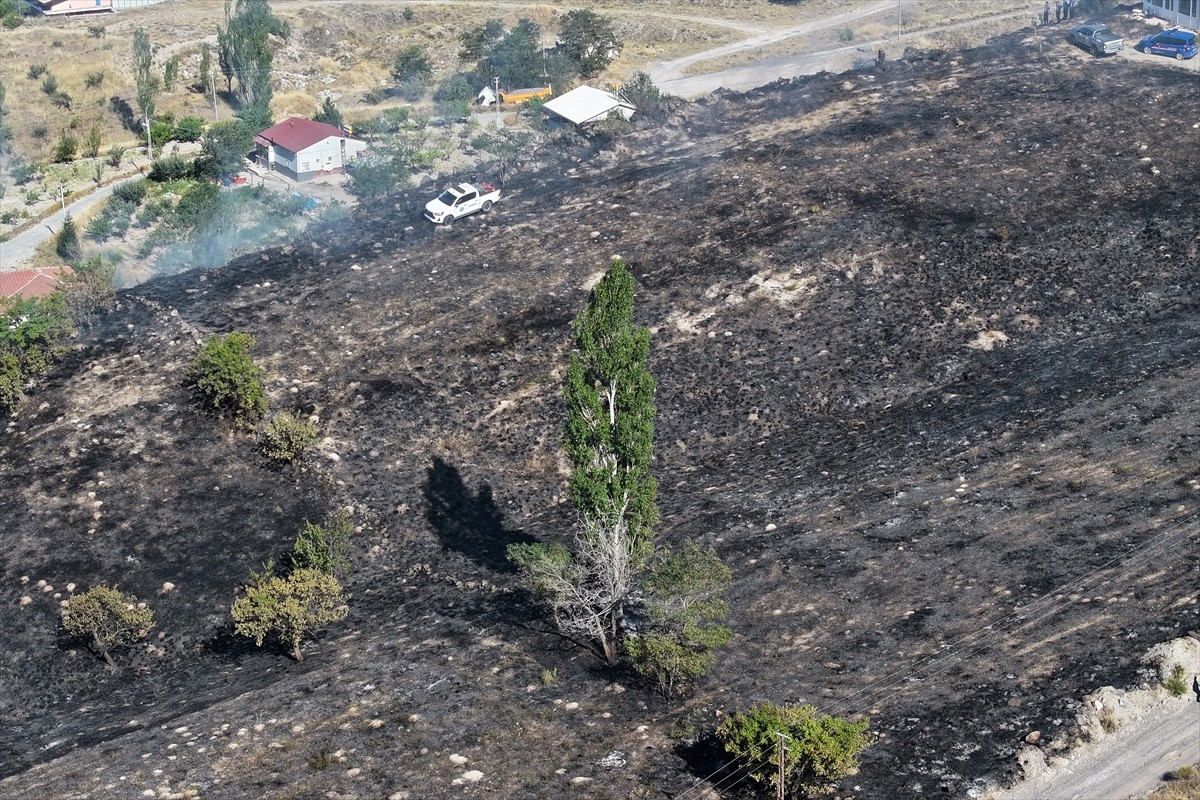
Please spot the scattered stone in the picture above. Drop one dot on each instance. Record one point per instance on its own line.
(166, 587)
(472, 775)
(458, 760)
(1033, 737)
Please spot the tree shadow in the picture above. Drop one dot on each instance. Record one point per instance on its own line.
(466, 522)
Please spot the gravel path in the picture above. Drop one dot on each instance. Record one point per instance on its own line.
(1128, 763)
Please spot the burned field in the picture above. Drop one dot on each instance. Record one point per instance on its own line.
(926, 347)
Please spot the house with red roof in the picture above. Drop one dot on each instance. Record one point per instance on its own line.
(303, 148)
(30, 283)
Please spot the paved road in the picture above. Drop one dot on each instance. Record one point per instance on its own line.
(1127, 763)
(17, 251)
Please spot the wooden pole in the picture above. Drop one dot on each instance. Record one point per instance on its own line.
(780, 780)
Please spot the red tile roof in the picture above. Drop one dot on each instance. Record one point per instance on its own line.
(29, 283)
(297, 133)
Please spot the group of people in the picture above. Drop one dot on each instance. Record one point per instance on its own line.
(1063, 10)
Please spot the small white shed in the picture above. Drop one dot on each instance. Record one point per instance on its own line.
(587, 104)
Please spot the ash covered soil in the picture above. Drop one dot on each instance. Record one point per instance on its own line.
(926, 347)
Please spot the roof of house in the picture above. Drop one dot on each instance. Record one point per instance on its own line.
(297, 133)
(586, 104)
(29, 283)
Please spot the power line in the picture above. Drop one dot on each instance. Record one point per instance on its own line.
(1014, 620)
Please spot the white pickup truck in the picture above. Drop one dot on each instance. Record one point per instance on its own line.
(461, 201)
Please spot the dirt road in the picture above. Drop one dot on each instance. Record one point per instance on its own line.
(1128, 763)
(669, 75)
(17, 251)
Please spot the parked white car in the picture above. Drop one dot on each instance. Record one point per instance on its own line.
(461, 201)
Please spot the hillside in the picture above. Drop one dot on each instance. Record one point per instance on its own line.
(926, 348)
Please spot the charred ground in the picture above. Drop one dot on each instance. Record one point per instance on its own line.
(925, 341)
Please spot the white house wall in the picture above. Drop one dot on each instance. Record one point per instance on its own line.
(1182, 13)
(326, 155)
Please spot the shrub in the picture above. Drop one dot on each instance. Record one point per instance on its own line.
(289, 608)
(11, 382)
(66, 243)
(817, 748)
(846, 35)
(131, 191)
(374, 96)
(683, 603)
(286, 437)
(115, 154)
(227, 379)
(171, 168)
(189, 129)
(36, 71)
(1175, 684)
(325, 549)
(50, 84)
(93, 79)
(108, 618)
(61, 100)
(97, 31)
(65, 149)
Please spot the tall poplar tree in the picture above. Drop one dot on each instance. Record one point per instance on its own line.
(143, 73)
(245, 53)
(609, 436)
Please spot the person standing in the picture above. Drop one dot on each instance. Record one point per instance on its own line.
(1046, 13)
(1057, 11)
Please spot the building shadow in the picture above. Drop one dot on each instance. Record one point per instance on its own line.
(468, 522)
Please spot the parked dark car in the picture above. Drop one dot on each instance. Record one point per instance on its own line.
(1178, 43)
(1096, 39)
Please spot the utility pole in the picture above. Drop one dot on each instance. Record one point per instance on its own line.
(780, 780)
(212, 83)
(149, 143)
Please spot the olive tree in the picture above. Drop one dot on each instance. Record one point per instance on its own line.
(227, 380)
(609, 393)
(289, 608)
(817, 748)
(108, 618)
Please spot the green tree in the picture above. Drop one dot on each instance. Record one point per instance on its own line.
(477, 42)
(188, 129)
(609, 393)
(66, 242)
(325, 548)
(683, 601)
(33, 331)
(205, 72)
(143, 74)
(170, 74)
(518, 58)
(817, 748)
(227, 144)
(108, 618)
(588, 40)
(92, 142)
(375, 176)
(289, 608)
(245, 52)
(13, 12)
(227, 380)
(329, 114)
(647, 99)
(412, 64)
